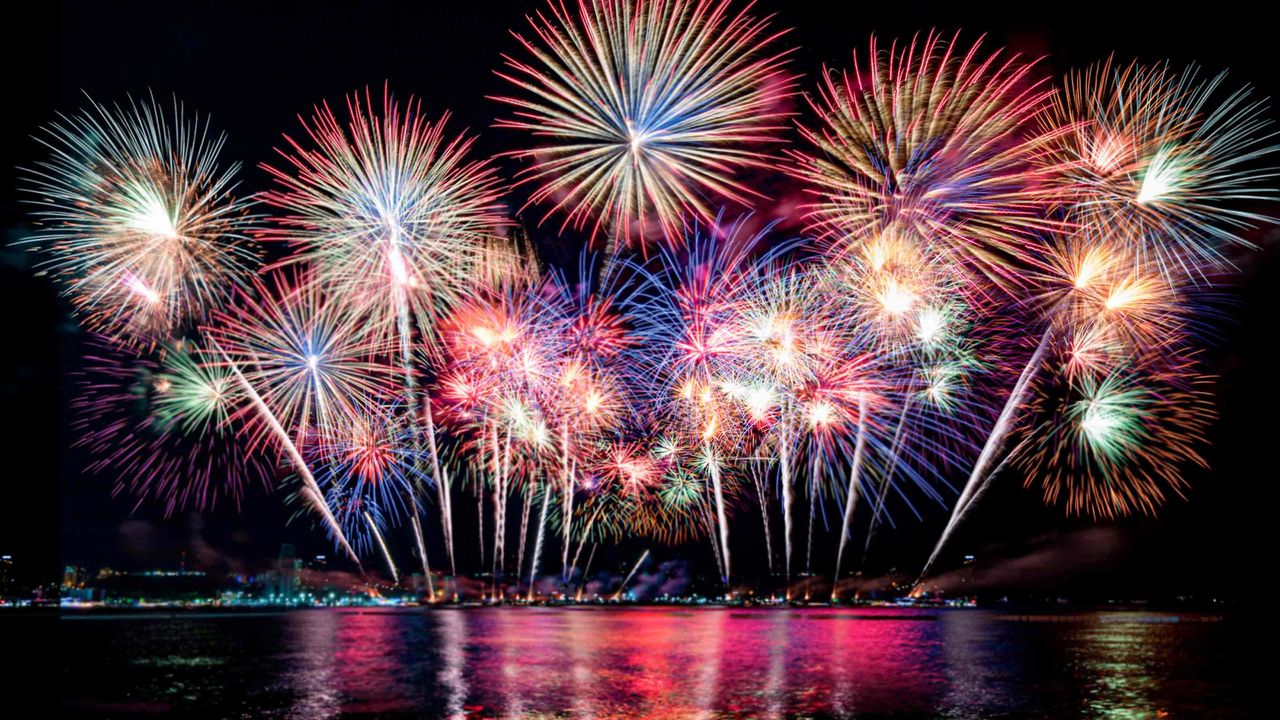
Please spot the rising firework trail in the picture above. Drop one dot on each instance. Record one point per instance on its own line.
(537, 543)
(377, 535)
(422, 553)
(851, 497)
(630, 575)
(310, 490)
(991, 449)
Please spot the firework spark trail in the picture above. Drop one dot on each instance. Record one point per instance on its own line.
(377, 535)
(586, 569)
(758, 479)
(815, 474)
(370, 468)
(918, 587)
(687, 320)
(422, 552)
(586, 532)
(851, 498)
(411, 402)
(401, 302)
(311, 490)
(566, 509)
(500, 503)
(502, 497)
(567, 506)
(895, 449)
(537, 543)
(722, 518)
(441, 478)
(1002, 427)
(495, 380)
(480, 524)
(524, 531)
(630, 575)
(442, 486)
(713, 536)
(417, 536)
(788, 501)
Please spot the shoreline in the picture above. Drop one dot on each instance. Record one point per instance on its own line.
(1025, 612)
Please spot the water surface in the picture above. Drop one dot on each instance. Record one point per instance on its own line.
(649, 663)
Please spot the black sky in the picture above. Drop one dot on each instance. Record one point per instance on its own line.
(256, 65)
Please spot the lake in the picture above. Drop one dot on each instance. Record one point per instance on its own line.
(650, 662)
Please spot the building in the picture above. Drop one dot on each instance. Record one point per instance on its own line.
(287, 580)
(8, 583)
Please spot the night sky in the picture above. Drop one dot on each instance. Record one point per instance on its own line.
(255, 66)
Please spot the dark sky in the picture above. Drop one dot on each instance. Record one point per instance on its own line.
(256, 65)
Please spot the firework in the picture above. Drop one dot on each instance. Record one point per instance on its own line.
(685, 321)
(644, 108)
(310, 491)
(941, 411)
(390, 213)
(386, 207)
(1117, 443)
(630, 575)
(806, 381)
(1167, 162)
(314, 362)
(137, 221)
(978, 238)
(681, 502)
(370, 469)
(904, 316)
(589, 392)
(496, 368)
(930, 139)
(162, 427)
(1106, 307)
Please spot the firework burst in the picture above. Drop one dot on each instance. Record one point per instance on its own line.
(137, 221)
(1168, 163)
(388, 210)
(930, 139)
(161, 427)
(1119, 443)
(369, 469)
(643, 109)
(314, 362)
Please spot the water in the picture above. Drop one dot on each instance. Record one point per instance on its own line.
(649, 662)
